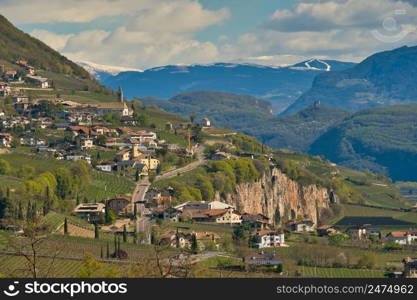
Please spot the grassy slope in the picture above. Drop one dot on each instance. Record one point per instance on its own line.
(95, 190)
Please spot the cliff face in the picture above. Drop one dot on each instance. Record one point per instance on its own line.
(276, 192)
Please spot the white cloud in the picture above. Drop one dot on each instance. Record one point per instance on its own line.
(158, 32)
(55, 41)
(338, 29)
(326, 15)
(179, 16)
(161, 33)
(47, 11)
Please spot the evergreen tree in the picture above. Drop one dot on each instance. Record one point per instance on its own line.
(194, 244)
(96, 232)
(107, 250)
(66, 226)
(124, 234)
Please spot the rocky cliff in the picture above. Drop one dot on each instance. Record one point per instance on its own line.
(275, 192)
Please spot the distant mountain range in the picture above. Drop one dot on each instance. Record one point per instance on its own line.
(102, 72)
(386, 78)
(279, 85)
(254, 117)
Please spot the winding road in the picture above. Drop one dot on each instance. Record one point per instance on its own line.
(143, 223)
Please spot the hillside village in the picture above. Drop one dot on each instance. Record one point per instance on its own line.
(162, 206)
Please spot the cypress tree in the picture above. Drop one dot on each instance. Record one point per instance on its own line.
(20, 211)
(96, 232)
(124, 234)
(115, 246)
(194, 245)
(135, 236)
(118, 247)
(66, 226)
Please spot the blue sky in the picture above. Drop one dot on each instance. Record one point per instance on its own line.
(148, 33)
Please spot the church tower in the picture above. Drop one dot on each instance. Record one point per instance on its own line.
(120, 94)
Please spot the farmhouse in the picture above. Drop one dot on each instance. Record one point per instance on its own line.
(40, 81)
(119, 204)
(255, 221)
(302, 226)
(267, 239)
(171, 214)
(262, 259)
(92, 212)
(106, 167)
(219, 216)
(206, 122)
(218, 155)
(198, 205)
(5, 140)
(151, 163)
(357, 232)
(402, 237)
(410, 267)
(84, 143)
(326, 230)
(87, 158)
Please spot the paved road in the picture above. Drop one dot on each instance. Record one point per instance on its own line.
(199, 162)
(143, 224)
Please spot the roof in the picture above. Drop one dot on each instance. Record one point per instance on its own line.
(324, 227)
(89, 207)
(119, 198)
(266, 232)
(207, 234)
(398, 234)
(262, 258)
(123, 152)
(79, 128)
(109, 105)
(204, 213)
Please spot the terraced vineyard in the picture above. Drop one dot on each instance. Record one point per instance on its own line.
(106, 186)
(339, 273)
(15, 266)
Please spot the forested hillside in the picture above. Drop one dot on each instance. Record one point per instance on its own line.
(379, 139)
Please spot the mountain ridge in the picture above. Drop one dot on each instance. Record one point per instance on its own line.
(279, 85)
(384, 78)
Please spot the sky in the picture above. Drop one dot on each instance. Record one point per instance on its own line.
(150, 33)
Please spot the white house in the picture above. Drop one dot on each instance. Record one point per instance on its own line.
(106, 167)
(87, 158)
(268, 239)
(5, 139)
(206, 122)
(402, 237)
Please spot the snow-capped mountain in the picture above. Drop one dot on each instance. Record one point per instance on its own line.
(279, 85)
(100, 71)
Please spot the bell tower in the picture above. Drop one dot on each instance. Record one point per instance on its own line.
(120, 94)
